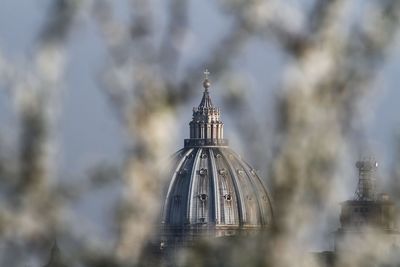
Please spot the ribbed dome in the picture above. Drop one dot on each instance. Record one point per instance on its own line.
(213, 185)
(213, 192)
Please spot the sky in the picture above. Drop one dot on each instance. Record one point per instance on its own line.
(88, 128)
(88, 131)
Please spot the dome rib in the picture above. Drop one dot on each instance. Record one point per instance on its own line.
(172, 184)
(191, 187)
(238, 191)
(255, 190)
(214, 173)
(266, 208)
(229, 208)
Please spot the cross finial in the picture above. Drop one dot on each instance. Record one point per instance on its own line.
(206, 82)
(206, 73)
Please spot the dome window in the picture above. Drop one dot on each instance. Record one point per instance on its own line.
(203, 197)
(218, 156)
(228, 197)
(203, 172)
(204, 156)
(162, 245)
(222, 172)
(240, 172)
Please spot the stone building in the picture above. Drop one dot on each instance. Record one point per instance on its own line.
(368, 233)
(213, 192)
(368, 212)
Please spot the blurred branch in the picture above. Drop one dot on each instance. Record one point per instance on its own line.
(30, 214)
(319, 104)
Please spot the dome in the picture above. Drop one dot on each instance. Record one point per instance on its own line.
(213, 185)
(213, 191)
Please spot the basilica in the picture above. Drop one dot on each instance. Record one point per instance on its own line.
(213, 192)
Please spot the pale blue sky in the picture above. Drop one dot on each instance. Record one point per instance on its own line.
(89, 132)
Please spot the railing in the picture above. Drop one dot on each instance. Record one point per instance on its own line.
(205, 142)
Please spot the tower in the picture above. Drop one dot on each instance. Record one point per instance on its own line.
(367, 213)
(213, 192)
(366, 180)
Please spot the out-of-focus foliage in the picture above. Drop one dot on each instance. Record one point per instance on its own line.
(332, 54)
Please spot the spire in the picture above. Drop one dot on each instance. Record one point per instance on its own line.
(206, 100)
(366, 179)
(206, 127)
